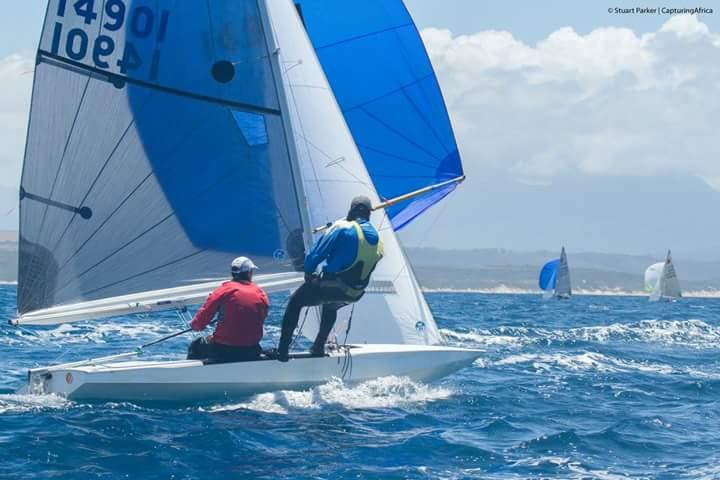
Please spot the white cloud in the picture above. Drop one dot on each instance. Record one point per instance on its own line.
(16, 82)
(607, 103)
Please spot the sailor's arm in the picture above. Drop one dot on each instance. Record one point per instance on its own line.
(321, 250)
(204, 316)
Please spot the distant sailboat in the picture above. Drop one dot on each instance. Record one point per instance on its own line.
(554, 278)
(168, 137)
(661, 281)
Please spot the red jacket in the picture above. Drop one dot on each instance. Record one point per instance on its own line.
(243, 307)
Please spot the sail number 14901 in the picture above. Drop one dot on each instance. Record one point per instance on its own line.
(140, 23)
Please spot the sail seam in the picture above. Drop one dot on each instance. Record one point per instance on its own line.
(61, 62)
(365, 35)
(387, 94)
(398, 157)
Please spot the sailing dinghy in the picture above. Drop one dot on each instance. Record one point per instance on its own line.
(554, 278)
(661, 281)
(168, 137)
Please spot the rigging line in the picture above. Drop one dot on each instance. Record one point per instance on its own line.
(100, 172)
(293, 160)
(81, 68)
(364, 35)
(387, 94)
(303, 85)
(400, 134)
(398, 157)
(335, 163)
(302, 325)
(427, 234)
(167, 264)
(424, 177)
(306, 141)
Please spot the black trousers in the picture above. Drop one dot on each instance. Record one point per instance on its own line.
(330, 294)
(202, 349)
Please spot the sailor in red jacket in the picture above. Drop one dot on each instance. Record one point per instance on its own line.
(241, 308)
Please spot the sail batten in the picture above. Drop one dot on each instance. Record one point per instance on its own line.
(117, 80)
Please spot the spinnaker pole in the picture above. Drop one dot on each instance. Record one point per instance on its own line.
(402, 198)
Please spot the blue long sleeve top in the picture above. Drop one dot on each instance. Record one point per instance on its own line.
(338, 247)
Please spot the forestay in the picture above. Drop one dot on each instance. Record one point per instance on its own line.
(377, 66)
(156, 152)
(394, 309)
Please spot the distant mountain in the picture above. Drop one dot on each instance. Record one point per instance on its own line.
(637, 215)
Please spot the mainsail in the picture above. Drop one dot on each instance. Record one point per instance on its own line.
(661, 280)
(394, 309)
(156, 152)
(380, 73)
(562, 285)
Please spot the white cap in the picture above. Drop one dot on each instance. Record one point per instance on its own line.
(242, 264)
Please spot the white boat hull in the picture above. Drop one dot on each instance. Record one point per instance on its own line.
(193, 381)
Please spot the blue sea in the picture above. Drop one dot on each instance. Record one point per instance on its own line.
(596, 387)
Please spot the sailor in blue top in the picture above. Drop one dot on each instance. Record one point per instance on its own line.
(350, 250)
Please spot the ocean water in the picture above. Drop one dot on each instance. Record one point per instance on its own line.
(595, 387)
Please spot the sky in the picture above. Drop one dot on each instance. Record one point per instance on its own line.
(577, 125)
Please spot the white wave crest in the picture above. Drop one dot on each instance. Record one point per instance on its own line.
(89, 333)
(586, 361)
(476, 337)
(22, 403)
(691, 333)
(385, 392)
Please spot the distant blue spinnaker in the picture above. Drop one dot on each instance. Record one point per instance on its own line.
(381, 75)
(548, 275)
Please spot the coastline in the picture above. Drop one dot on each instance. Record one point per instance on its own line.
(506, 290)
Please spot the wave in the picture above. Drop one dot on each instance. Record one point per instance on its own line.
(21, 403)
(385, 392)
(692, 333)
(75, 333)
(586, 361)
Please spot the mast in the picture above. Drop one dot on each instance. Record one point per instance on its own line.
(274, 50)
